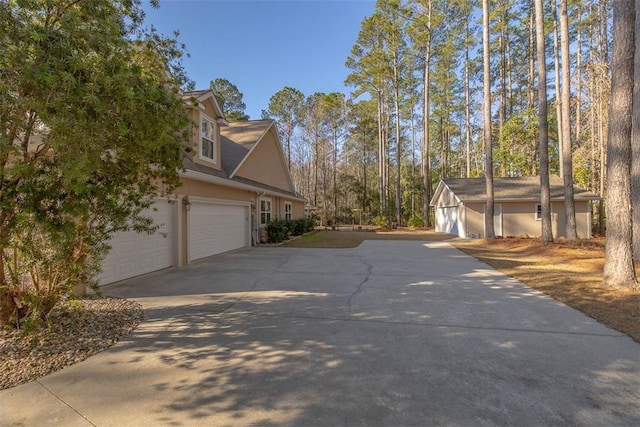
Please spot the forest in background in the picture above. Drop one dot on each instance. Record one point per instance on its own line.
(367, 150)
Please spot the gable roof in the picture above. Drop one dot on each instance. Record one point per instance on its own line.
(507, 189)
(237, 141)
(199, 97)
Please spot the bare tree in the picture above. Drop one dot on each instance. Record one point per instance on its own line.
(618, 266)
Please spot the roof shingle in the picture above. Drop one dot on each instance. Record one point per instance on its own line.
(512, 188)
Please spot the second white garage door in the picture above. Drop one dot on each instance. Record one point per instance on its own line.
(215, 228)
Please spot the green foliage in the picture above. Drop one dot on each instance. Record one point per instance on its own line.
(416, 221)
(277, 231)
(91, 125)
(382, 222)
(229, 98)
(297, 227)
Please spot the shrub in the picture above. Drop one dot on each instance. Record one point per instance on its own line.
(381, 221)
(297, 227)
(416, 221)
(277, 231)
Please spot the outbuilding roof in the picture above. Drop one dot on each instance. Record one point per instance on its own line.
(526, 188)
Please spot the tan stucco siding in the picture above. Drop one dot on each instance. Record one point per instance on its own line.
(297, 208)
(474, 219)
(266, 165)
(518, 219)
(583, 222)
(202, 189)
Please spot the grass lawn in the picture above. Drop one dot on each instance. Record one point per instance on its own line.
(570, 272)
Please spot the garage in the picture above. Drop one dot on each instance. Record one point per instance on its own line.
(133, 254)
(216, 227)
(447, 220)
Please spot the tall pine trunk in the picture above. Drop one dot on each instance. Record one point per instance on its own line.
(618, 265)
(556, 62)
(467, 103)
(488, 148)
(543, 142)
(635, 145)
(567, 156)
(426, 180)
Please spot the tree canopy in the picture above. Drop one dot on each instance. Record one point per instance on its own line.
(229, 98)
(91, 130)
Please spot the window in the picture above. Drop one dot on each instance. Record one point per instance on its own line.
(538, 212)
(265, 211)
(288, 209)
(208, 138)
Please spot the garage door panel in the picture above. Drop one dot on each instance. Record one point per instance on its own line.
(216, 228)
(133, 254)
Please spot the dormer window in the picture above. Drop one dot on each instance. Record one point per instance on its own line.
(207, 138)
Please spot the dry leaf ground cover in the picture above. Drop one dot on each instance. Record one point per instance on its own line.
(570, 272)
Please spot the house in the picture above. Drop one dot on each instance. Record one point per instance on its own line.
(235, 181)
(460, 203)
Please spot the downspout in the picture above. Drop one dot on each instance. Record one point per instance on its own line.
(255, 223)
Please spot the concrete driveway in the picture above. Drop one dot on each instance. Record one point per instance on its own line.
(392, 333)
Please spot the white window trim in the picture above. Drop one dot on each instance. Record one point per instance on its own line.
(288, 210)
(265, 212)
(213, 158)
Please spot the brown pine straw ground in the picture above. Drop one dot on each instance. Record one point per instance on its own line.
(570, 272)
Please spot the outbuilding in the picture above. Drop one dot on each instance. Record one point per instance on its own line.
(459, 206)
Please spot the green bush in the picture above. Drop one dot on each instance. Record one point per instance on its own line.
(277, 231)
(297, 227)
(416, 221)
(382, 222)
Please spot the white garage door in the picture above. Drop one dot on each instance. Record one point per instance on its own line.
(215, 228)
(133, 254)
(447, 220)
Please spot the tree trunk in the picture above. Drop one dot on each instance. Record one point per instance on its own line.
(396, 106)
(543, 142)
(467, 103)
(578, 134)
(426, 180)
(556, 62)
(531, 75)
(567, 161)
(381, 188)
(618, 266)
(635, 144)
(488, 149)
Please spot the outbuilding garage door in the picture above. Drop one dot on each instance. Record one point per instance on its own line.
(447, 220)
(133, 254)
(215, 228)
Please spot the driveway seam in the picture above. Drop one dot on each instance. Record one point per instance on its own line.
(614, 334)
(64, 402)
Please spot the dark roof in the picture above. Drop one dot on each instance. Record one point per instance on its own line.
(232, 154)
(236, 141)
(512, 188)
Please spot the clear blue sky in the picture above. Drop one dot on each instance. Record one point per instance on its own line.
(262, 46)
